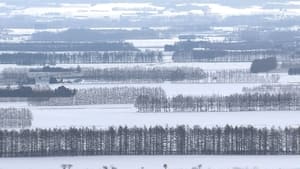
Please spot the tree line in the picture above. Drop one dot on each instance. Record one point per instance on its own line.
(294, 71)
(51, 69)
(11, 76)
(15, 118)
(246, 51)
(114, 95)
(242, 45)
(144, 74)
(217, 55)
(215, 103)
(156, 140)
(136, 75)
(238, 76)
(83, 57)
(278, 88)
(176, 74)
(66, 46)
(29, 92)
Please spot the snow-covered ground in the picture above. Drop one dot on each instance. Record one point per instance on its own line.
(155, 162)
(107, 115)
(285, 78)
(159, 43)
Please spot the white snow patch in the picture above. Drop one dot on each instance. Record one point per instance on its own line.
(114, 10)
(225, 11)
(294, 3)
(107, 115)
(29, 31)
(285, 78)
(155, 162)
(152, 42)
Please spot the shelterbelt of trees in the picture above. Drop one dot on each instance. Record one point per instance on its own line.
(136, 74)
(82, 57)
(15, 118)
(114, 95)
(234, 102)
(244, 51)
(273, 88)
(49, 69)
(29, 92)
(152, 74)
(67, 46)
(156, 140)
(176, 74)
(114, 74)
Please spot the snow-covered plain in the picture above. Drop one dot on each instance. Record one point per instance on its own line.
(155, 162)
(107, 115)
(152, 42)
(285, 78)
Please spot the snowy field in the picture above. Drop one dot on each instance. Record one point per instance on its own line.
(159, 43)
(106, 115)
(103, 116)
(285, 78)
(155, 162)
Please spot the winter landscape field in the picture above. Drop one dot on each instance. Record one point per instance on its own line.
(149, 84)
(106, 115)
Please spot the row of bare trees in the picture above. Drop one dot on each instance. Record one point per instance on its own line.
(112, 74)
(238, 76)
(144, 74)
(157, 140)
(90, 57)
(215, 103)
(243, 51)
(138, 74)
(30, 92)
(114, 95)
(15, 118)
(34, 47)
(274, 88)
(177, 74)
